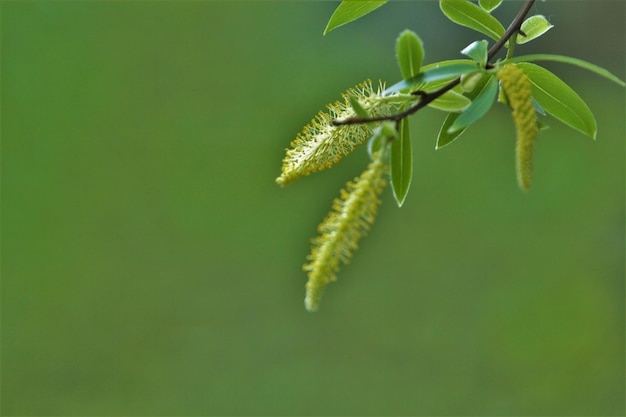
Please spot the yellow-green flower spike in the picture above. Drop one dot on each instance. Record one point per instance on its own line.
(320, 145)
(516, 85)
(350, 219)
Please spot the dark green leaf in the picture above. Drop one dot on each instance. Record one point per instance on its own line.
(489, 5)
(479, 107)
(469, 15)
(401, 160)
(569, 60)
(433, 74)
(350, 10)
(477, 50)
(559, 100)
(444, 137)
(534, 27)
(410, 53)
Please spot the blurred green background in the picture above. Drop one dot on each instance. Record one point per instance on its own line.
(151, 266)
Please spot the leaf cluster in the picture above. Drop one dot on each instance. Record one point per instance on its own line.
(466, 89)
(475, 86)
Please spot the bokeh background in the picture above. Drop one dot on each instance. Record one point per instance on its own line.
(151, 266)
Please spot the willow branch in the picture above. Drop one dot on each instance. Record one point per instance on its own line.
(426, 98)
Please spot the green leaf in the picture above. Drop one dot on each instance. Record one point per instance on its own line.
(479, 107)
(401, 160)
(451, 101)
(489, 5)
(559, 100)
(350, 10)
(444, 137)
(534, 27)
(477, 50)
(410, 53)
(569, 60)
(433, 74)
(469, 15)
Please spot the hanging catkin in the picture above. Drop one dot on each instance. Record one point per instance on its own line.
(516, 86)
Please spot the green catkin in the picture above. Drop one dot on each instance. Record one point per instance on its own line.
(320, 145)
(516, 86)
(350, 219)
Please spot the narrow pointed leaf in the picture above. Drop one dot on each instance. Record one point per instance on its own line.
(559, 100)
(534, 27)
(570, 60)
(350, 10)
(477, 51)
(444, 137)
(479, 107)
(489, 5)
(433, 74)
(471, 16)
(451, 101)
(410, 53)
(401, 160)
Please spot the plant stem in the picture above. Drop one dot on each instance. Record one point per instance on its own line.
(514, 27)
(427, 98)
(511, 49)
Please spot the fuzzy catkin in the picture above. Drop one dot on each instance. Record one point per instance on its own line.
(320, 145)
(516, 86)
(350, 219)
